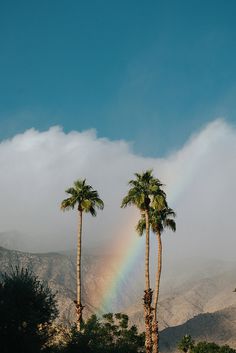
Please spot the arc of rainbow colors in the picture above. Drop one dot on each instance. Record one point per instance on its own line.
(131, 246)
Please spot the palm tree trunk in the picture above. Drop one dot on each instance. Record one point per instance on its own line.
(155, 330)
(79, 306)
(147, 275)
(148, 292)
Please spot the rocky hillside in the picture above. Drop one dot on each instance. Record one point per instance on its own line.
(219, 327)
(60, 272)
(212, 292)
(197, 299)
(56, 269)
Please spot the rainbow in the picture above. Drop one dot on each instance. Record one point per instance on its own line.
(129, 244)
(131, 248)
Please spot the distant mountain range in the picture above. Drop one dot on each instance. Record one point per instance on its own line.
(197, 296)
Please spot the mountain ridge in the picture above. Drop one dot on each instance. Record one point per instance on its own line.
(187, 304)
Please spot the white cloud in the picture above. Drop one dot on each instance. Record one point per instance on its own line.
(36, 168)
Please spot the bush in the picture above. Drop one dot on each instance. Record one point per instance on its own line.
(187, 344)
(27, 309)
(111, 334)
(206, 347)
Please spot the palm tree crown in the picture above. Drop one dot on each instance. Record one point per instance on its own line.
(159, 220)
(145, 191)
(84, 196)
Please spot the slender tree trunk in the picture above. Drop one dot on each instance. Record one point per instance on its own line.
(79, 306)
(155, 330)
(147, 293)
(147, 275)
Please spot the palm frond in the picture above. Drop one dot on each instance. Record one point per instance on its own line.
(68, 204)
(92, 211)
(170, 223)
(99, 203)
(71, 191)
(141, 226)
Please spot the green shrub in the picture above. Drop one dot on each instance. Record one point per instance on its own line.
(111, 334)
(27, 309)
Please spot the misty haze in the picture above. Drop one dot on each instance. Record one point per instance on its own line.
(37, 167)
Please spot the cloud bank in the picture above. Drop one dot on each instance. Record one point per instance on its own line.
(36, 168)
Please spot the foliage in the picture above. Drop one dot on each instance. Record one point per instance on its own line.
(145, 191)
(27, 309)
(159, 220)
(187, 344)
(226, 349)
(211, 347)
(84, 196)
(111, 334)
(205, 347)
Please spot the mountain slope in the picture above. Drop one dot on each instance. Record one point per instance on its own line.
(200, 301)
(218, 327)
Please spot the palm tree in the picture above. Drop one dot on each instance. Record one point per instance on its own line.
(145, 191)
(87, 200)
(159, 220)
(186, 344)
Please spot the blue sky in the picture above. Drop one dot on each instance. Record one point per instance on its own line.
(151, 72)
